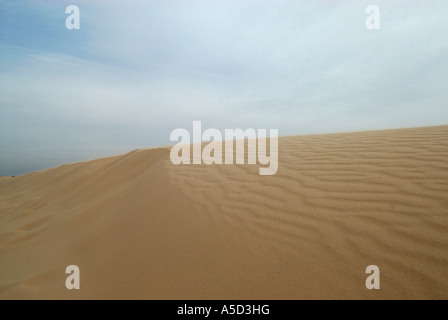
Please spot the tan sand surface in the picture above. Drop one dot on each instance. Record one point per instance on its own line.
(139, 227)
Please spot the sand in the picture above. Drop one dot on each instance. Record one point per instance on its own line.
(139, 227)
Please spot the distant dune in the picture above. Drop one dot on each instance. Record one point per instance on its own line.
(139, 227)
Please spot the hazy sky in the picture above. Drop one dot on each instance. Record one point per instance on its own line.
(136, 70)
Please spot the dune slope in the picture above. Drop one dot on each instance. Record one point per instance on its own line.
(139, 227)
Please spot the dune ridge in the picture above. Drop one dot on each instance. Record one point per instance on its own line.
(140, 227)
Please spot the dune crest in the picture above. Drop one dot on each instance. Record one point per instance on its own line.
(140, 227)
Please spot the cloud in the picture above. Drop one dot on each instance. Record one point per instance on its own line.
(135, 72)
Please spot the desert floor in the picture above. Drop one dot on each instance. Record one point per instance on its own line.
(138, 226)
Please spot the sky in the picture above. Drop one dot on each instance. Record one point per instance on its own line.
(137, 70)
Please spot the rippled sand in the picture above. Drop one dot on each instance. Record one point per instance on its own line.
(139, 227)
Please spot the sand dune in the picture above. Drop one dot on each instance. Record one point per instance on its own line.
(139, 227)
